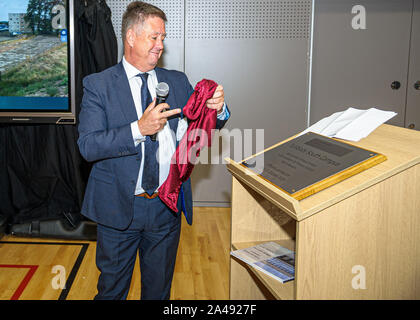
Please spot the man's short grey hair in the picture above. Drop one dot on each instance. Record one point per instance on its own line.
(136, 13)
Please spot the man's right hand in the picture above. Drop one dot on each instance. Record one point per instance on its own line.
(154, 119)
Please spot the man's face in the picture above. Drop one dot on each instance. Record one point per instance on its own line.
(148, 43)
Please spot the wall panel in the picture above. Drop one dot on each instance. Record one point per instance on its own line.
(258, 50)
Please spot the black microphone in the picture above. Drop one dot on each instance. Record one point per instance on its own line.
(162, 90)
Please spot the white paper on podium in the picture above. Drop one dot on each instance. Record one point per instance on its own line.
(351, 124)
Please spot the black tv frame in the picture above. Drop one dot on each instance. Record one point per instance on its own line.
(52, 117)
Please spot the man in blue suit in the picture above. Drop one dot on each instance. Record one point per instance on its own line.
(118, 116)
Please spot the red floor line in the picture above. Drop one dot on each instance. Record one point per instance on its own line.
(25, 281)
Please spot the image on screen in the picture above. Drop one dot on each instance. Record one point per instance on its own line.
(34, 55)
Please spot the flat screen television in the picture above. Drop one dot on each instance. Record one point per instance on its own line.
(37, 61)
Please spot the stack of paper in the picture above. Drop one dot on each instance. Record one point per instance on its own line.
(352, 124)
(270, 258)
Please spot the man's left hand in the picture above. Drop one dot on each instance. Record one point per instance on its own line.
(216, 102)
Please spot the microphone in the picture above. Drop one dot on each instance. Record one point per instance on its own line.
(162, 90)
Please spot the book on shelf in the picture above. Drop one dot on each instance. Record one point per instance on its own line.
(270, 258)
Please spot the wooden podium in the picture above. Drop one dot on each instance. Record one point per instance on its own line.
(358, 239)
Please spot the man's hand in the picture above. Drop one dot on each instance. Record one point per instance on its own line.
(216, 102)
(153, 119)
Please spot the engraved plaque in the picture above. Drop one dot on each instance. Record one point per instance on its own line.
(312, 162)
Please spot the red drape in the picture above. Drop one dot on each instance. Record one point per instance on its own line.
(201, 122)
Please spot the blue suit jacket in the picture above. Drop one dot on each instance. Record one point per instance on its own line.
(105, 138)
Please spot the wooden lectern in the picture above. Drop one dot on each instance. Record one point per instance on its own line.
(358, 239)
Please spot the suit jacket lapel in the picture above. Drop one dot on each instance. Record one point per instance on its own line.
(123, 90)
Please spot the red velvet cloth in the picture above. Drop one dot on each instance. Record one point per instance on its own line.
(201, 122)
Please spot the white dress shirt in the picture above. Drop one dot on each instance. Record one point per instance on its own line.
(165, 136)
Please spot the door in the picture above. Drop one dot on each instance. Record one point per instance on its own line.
(412, 119)
(360, 56)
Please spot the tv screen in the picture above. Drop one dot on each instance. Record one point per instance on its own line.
(36, 61)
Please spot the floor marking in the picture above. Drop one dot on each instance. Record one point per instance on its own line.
(25, 281)
(73, 271)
